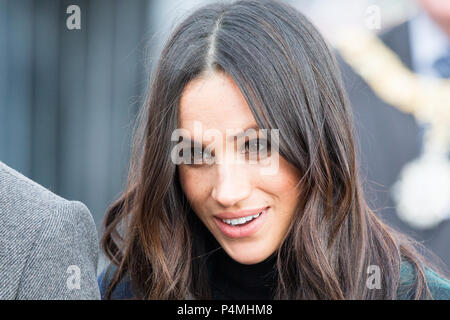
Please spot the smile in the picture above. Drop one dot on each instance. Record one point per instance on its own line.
(243, 226)
(241, 221)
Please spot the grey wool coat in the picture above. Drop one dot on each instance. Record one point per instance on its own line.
(48, 245)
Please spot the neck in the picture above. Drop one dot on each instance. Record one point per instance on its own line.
(233, 280)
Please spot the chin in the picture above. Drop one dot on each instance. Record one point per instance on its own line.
(247, 253)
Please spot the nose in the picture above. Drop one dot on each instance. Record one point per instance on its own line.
(232, 184)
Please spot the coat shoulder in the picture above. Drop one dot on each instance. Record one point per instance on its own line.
(439, 285)
(122, 291)
(43, 237)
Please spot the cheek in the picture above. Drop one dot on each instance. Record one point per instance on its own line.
(283, 183)
(284, 189)
(194, 184)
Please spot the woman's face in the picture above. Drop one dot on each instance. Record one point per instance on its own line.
(229, 187)
(439, 10)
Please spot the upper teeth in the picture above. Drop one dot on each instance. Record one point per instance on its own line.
(240, 220)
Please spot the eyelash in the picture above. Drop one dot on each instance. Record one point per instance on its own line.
(246, 149)
(266, 144)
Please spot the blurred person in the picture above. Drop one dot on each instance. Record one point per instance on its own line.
(390, 139)
(48, 245)
(220, 228)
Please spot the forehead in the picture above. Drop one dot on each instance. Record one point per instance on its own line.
(216, 102)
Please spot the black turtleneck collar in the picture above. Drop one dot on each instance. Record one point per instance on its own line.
(230, 279)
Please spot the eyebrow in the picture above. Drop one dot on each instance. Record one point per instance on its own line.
(242, 133)
(231, 138)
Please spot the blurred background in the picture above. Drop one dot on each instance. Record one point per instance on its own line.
(68, 98)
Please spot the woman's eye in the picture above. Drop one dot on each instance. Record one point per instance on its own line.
(197, 152)
(200, 156)
(256, 146)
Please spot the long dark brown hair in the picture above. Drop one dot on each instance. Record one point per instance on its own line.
(291, 81)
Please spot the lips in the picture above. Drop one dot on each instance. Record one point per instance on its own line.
(245, 230)
(239, 214)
